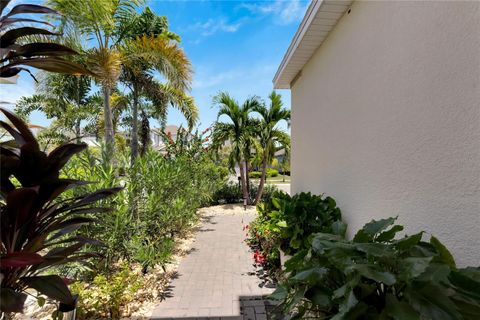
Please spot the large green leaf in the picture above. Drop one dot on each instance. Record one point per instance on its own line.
(375, 249)
(339, 228)
(432, 302)
(466, 283)
(399, 310)
(372, 273)
(310, 275)
(408, 242)
(412, 267)
(374, 226)
(389, 234)
(280, 293)
(445, 255)
(319, 296)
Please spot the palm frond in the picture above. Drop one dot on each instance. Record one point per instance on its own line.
(106, 64)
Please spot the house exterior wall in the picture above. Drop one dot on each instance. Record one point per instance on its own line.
(386, 119)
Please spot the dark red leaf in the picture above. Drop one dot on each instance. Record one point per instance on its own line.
(52, 64)
(8, 21)
(21, 204)
(21, 127)
(39, 49)
(20, 259)
(30, 8)
(10, 37)
(60, 156)
(52, 286)
(11, 301)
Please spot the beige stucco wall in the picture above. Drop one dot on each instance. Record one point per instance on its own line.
(386, 119)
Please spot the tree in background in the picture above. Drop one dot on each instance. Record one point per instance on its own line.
(98, 20)
(238, 132)
(147, 47)
(65, 99)
(269, 135)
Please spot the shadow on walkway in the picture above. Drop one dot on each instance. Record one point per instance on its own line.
(250, 308)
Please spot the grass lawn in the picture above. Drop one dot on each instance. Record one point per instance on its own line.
(277, 179)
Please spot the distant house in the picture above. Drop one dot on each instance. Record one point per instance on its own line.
(386, 114)
(156, 137)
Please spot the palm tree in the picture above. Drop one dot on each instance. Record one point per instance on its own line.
(98, 19)
(238, 132)
(147, 46)
(64, 98)
(269, 135)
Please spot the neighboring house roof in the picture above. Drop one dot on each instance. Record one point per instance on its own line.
(173, 129)
(280, 152)
(320, 18)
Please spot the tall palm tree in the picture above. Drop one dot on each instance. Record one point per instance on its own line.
(238, 132)
(98, 19)
(147, 46)
(269, 135)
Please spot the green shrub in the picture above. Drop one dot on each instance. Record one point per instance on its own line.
(258, 174)
(106, 296)
(375, 276)
(159, 202)
(288, 223)
(230, 192)
(255, 174)
(272, 173)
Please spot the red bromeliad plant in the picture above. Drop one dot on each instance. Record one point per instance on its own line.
(38, 229)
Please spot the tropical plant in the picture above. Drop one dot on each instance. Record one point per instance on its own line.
(65, 99)
(375, 276)
(147, 46)
(37, 224)
(162, 192)
(239, 132)
(269, 135)
(288, 223)
(107, 295)
(17, 52)
(99, 19)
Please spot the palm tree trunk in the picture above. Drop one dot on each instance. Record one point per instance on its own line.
(78, 131)
(134, 133)
(243, 180)
(247, 180)
(107, 113)
(262, 180)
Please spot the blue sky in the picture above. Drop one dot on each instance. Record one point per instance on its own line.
(234, 46)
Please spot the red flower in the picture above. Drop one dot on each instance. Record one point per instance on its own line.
(258, 257)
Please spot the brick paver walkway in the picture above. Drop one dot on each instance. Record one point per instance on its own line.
(217, 279)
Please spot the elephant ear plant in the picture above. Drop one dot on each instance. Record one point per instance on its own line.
(39, 227)
(375, 276)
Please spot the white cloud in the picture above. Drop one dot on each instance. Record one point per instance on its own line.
(286, 11)
(212, 26)
(209, 79)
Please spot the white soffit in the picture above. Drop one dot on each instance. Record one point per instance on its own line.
(320, 18)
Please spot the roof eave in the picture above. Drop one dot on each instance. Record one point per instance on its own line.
(327, 13)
